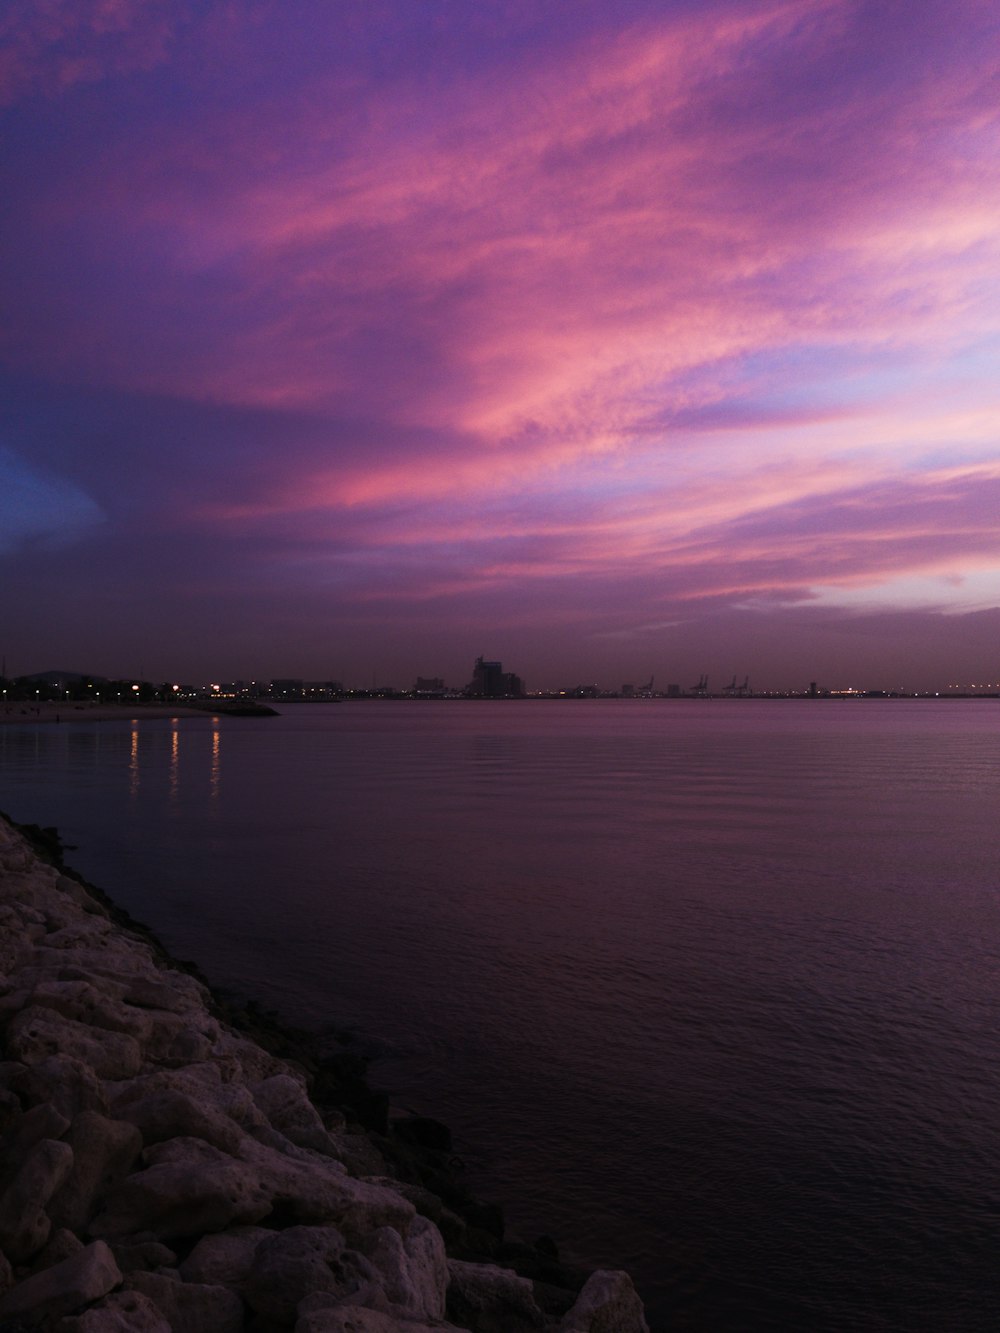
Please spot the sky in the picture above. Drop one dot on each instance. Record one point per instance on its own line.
(608, 338)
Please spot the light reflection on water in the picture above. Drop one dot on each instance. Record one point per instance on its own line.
(133, 763)
(709, 991)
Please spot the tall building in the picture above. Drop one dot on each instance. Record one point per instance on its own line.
(490, 681)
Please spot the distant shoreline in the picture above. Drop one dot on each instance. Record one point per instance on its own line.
(21, 712)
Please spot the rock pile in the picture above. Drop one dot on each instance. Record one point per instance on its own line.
(161, 1171)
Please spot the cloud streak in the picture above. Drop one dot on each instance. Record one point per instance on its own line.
(691, 307)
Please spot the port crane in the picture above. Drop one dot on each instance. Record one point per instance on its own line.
(701, 687)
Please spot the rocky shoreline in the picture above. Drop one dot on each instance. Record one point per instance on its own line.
(168, 1162)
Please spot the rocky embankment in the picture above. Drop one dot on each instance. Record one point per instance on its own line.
(161, 1169)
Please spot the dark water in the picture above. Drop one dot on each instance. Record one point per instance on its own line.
(707, 990)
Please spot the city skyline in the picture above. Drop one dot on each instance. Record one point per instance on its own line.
(55, 683)
(606, 341)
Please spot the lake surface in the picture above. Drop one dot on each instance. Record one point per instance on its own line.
(709, 990)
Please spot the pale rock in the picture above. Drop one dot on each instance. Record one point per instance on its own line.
(14, 999)
(61, 912)
(224, 1258)
(22, 888)
(16, 938)
(177, 1043)
(24, 975)
(244, 1060)
(80, 933)
(115, 956)
(188, 1188)
(202, 1082)
(160, 1033)
(143, 1254)
(360, 1156)
(488, 1299)
(24, 1224)
(202, 1079)
(414, 1271)
(174, 991)
(234, 1099)
(608, 1303)
(269, 1137)
(308, 1188)
(190, 1307)
(322, 1318)
(72, 1085)
(426, 1203)
(29, 975)
(323, 1314)
(119, 961)
(43, 1121)
(14, 1076)
(96, 1006)
(132, 977)
(77, 1281)
(232, 1139)
(10, 1111)
(74, 890)
(284, 1102)
(57, 914)
(273, 1138)
(164, 1112)
(121, 1312)
(83, 932)
(61, 1244)
(103, 1153)
(26, 892)
(293, 1264)
(37, 1033)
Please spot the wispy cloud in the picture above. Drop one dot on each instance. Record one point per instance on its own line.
(687, 303)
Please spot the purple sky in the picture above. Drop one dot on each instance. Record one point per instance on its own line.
(607, 339)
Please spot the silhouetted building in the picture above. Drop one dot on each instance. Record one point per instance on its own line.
(287, 689)
(429, 687)
(490, 681)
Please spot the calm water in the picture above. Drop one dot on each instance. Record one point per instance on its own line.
(708, 990)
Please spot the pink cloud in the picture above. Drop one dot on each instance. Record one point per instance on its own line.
(690, 306)
(47, 49)
(560, 257)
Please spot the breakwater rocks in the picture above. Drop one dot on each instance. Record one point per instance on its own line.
(161, 1169)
